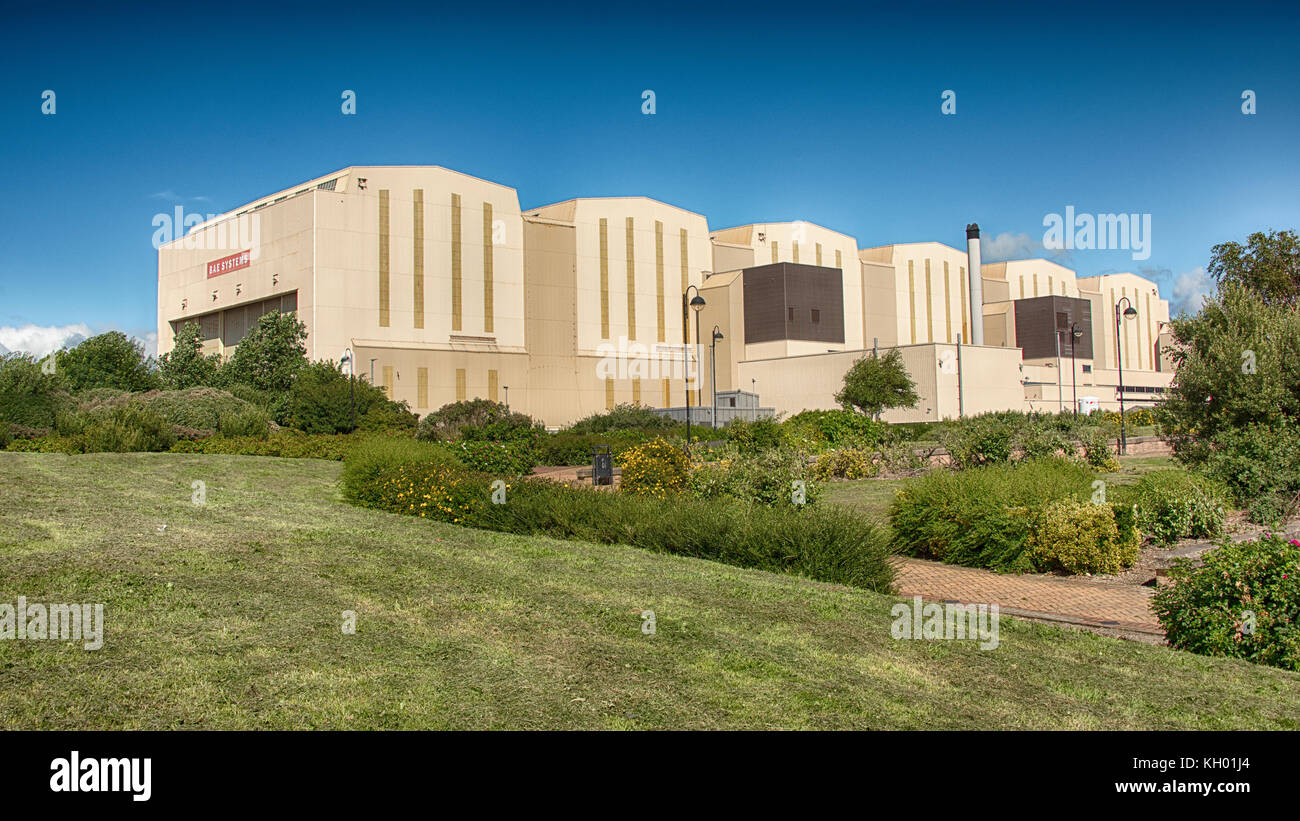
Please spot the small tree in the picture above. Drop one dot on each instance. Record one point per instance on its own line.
(109, 360)
(271, 355)
(875, 384)
(185, 366)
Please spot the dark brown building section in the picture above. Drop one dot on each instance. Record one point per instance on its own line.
(786, 300)
(1039, 319)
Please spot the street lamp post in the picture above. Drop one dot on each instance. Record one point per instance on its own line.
(1075, 333)
(688, 303)
(350, 358)
(713, 380)
(1129, 313)
(753, 388)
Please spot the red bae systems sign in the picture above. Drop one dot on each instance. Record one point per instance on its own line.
(227, 264)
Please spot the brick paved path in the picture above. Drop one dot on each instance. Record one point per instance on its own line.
(1121, 608)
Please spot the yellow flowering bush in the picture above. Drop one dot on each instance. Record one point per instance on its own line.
(846, 463)
(657, 468)
(1079, 537)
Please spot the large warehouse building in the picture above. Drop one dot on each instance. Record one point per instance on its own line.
(441, 289)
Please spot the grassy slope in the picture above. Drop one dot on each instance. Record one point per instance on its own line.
(230, 619)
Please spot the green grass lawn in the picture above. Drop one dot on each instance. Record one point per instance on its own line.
(231, 619)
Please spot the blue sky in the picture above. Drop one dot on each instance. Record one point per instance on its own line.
(763, 112)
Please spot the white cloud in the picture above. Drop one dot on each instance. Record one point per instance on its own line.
(1190, 290)
(40, 341)
(1010, 246)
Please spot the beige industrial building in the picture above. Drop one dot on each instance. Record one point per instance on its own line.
(441, 288)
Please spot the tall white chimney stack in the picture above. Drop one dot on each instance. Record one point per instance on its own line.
(976, 284)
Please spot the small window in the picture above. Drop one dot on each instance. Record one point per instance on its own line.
(733, 401)
(816, 316)
(789, 312)
(1087, 369)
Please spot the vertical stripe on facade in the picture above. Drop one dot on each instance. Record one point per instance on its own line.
(493, 386)
(911, 297)
(686, 269)
(1128, 346)
(609, 394)
(388, 380)
(460, 384)
(839, 259)
(604, 278)
(636, 391)
(819, 254)
(965, 306)
(383, 258)
(422, 387)
(417, 255)
(794, 246)
(929, 305)
(947, 302)
(455, 264)
(631, 277)
(489, 325)
(1151, 336)
(774, 251)
(659, 279)
(668, 394)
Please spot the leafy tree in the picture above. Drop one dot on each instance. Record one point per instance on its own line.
(185, 366)
(1234, 405)
(271, 355)
(1269, 265)
(875, 384)
(320, 402)
(109, 360)
(28, 396)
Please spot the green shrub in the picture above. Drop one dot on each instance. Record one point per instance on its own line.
(1243, 602)
(765, 479)
(376, 457)
(981, 517)
(624, 417)
(657, 468)
(1079, 537)
(1175, 504)
(29, 397)
(817, 430)
(1043, 439)
(1096, 448)
(509, 458)
(846, 463)
(1260, 464)
(5, 435)
(981, 440)
(251, 421)
(445, 424)
(321, 400)
(752, 437)
(127, 429)
(566, 448)
(197, 408)
(288, 444)
(828, 544)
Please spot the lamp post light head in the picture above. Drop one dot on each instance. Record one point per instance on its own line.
(697, 302)
(1077, 333)
(717, 334)
(1130, 312)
